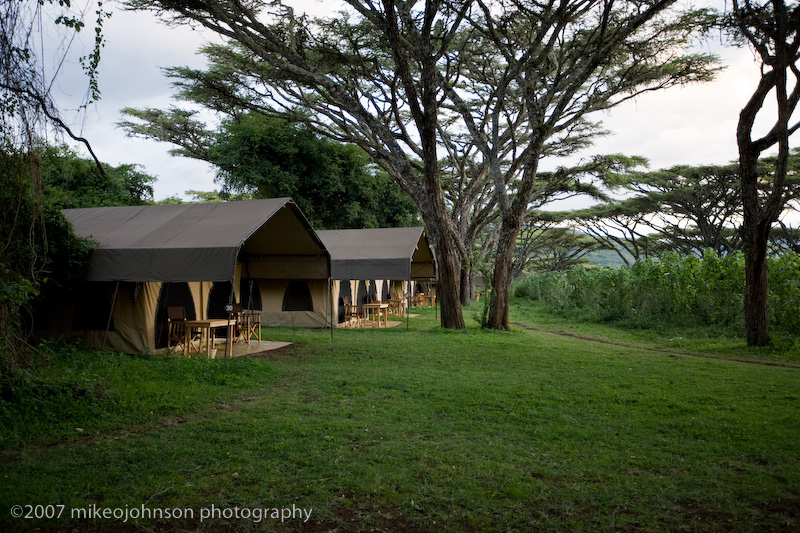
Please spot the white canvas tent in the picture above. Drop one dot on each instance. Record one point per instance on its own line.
(143, 249)
(377, 255)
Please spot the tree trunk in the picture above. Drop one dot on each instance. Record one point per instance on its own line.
(448, 263)
(776, 41)
(467, 272)
(467, 287)
(755, 236)
(501, 277)
(756, 291)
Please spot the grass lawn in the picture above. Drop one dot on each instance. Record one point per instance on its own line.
(420, 430)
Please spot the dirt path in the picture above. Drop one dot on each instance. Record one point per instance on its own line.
(659, 350)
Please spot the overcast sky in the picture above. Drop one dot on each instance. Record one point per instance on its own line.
(689, 125)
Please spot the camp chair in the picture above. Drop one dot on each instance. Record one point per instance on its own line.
(253, 323)
(351, 314)
(396, 304)
(240, 326)
(176, 335)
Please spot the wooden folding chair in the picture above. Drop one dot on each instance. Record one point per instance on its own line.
(352, 317)
(176, 331)
(254, 324)
(241, 328)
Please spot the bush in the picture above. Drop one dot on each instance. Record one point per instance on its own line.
(674, 291)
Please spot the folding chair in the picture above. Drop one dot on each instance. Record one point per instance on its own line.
(241, 328)
(351, 314)
(254, 324)
(176, 331)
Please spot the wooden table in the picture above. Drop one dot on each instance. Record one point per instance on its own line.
(429, 299)
(207, 327)
(382, 310)
(396, 306)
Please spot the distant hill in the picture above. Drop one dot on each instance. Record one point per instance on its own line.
(606, 258)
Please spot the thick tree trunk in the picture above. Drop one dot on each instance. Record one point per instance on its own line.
(448, 262)
(502, 275)
(755, 236)
(756, 225)
(756, 291)
(776, 41)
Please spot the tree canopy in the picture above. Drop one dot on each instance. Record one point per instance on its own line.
(71, 181)
(496, 86)
(685, 209)
(336, 185)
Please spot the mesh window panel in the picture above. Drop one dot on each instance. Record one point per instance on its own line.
(297, 297)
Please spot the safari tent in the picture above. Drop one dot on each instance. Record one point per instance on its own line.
(263, 254)
(377, 262)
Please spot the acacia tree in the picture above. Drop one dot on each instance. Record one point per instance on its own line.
(554, 63)
(699, 207)
(619, 225)
(27, 107)
(336, 185)
(518, 77)
(374, 82)
(693, 207)
(772, 29)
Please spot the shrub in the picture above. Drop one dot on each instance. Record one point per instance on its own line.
(674, 290)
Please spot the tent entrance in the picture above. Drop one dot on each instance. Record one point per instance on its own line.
(172, 295)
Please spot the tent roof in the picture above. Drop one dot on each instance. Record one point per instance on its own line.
(384, 253)
(193, 242)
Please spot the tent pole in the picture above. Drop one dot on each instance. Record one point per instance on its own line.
(228, 333)
(110, 314)
(408, 302)
(330, 300)
(250, 280)
(166, 299)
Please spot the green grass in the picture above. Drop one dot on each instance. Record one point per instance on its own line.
(728, 344)
(423, 430)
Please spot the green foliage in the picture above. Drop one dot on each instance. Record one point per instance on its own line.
(686, 209)
(784, 292)
(551, 249)
(334, 184)
(39, 248)
(22, 240)
(72, 181)
(673, 291)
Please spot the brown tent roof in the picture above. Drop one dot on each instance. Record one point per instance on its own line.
(384, 253)
(200, 242)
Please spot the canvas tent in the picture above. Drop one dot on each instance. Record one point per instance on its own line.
(375, 259)
(191, 252)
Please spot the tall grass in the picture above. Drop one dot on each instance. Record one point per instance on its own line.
(675, 291)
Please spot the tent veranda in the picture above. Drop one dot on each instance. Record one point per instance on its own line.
(142, 249)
